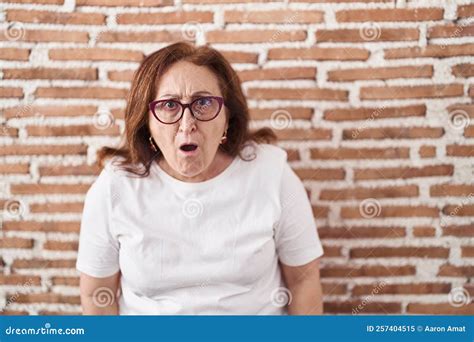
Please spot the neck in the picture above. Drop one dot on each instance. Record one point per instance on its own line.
(219, 164)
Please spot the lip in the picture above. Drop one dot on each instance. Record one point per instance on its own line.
(189, 153)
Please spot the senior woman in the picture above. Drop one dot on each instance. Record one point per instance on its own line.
(193, 213)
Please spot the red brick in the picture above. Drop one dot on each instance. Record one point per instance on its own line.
(135, 37)
(342, 114)
(25, 189)
(82, 92)
(424, 231)
(393, 133)
(448, 270)
(404, 172)
(450, 31)
(361, 232)
(278, 16)
(430, 51)
(69, 170)
(36, 36)
(422, 288)
(365, 307)
(460, 150)
(35, 226)
(255, 36)
(63, 207)
(413, 92)
(121, 76)
(125, 3)
(240, 56)
(440, 190)
(458, 210)
(355, 35)
(11, 92)
(51, 73)
(43, 263)
(390, 14)
(460, 230)
(26, 150)
(95, 54)
(392, 211)
(317, 53)
(14, 168)
(61, 245)
(359, 153)
(65, 281)
(47, 110)
(439, 309)
(298, 94)
(467, 252)
(427, 151)
(341, 271)
(19, 280)
(14, 54)
(15, 242)
(74, 130)
(364, 192)
(380, 73)
(400, 252)
(321, 174)
(58, 18)
(465, 11)
(159, 18)
(278, 74)
(51, 298)
(304, 134)
(296, 113)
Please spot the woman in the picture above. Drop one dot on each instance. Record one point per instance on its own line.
(194, 214)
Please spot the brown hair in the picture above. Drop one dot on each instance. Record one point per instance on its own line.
(136, 150)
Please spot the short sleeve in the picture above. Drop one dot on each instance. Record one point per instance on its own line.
(297, 240)
(98, 254)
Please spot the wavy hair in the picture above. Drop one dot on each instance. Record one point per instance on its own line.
(135, 150)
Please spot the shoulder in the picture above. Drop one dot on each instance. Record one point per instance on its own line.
(265, 153)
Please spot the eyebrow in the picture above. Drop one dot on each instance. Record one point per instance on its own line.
(176, 96)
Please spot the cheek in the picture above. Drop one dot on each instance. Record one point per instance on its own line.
(164, 136)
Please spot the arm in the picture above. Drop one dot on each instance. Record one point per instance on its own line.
(305, 288)
(99, 295)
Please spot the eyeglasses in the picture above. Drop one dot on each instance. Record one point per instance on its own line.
(171, 111)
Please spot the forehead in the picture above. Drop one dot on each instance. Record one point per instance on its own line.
(185, 78)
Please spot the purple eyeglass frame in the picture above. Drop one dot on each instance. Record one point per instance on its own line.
(153, 104)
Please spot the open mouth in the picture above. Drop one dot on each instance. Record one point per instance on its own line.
(188, 147)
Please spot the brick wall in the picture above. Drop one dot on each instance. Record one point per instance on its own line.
(372, 100)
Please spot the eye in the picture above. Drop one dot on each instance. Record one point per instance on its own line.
(169, 104)
(204, 101)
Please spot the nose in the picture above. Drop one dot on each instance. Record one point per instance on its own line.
(187, 122)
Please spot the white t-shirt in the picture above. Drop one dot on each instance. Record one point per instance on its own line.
(201, 248)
